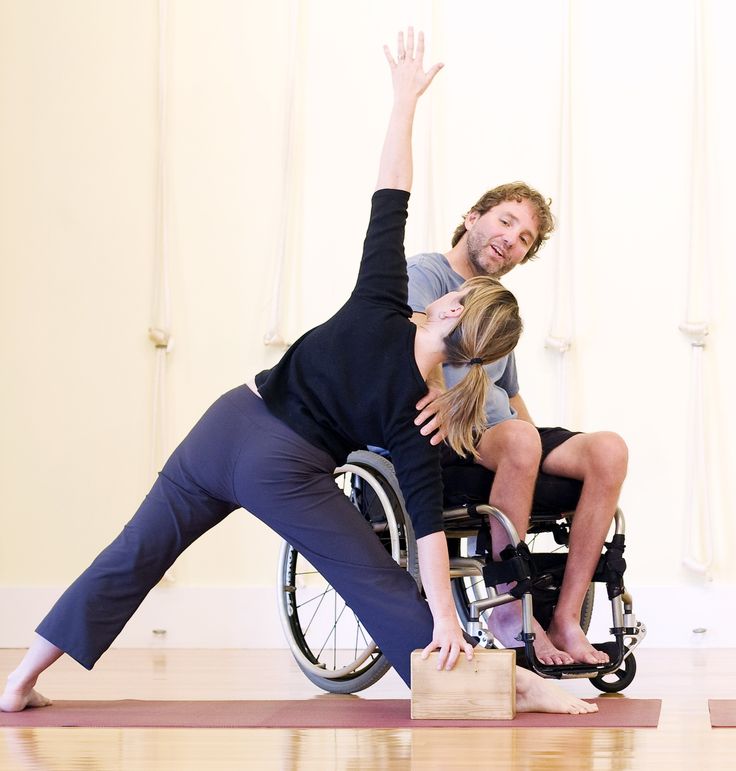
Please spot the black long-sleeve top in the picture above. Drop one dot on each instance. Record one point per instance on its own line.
(353, 381)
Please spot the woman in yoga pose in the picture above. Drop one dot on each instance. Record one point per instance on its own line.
(271, 447)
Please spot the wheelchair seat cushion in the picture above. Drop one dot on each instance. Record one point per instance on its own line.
(469, 483)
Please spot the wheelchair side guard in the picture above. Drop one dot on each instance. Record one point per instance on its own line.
(372, 460)
(369, 460)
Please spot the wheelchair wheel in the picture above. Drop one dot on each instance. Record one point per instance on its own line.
(617, 680)
(327, 639)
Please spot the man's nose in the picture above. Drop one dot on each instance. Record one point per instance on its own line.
(514, 237)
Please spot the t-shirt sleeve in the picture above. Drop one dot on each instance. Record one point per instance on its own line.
(509, 380)
(425, 286)
(382, 275)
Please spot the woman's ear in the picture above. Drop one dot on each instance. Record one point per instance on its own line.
(455, 311)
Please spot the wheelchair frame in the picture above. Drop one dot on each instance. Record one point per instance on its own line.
(338, 655)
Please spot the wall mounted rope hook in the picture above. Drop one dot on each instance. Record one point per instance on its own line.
(161, 338)
(696, 332)
(560, 344)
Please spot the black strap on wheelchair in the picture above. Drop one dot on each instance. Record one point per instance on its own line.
(614, 565)
(516, 566)
(484, 541)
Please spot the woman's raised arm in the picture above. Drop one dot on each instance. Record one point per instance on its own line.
(410, 81)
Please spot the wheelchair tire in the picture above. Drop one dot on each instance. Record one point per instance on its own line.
(586, 612)
(328, 642)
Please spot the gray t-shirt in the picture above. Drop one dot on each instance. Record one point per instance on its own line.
(430, 277)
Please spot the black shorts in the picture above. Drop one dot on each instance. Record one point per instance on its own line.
(550, 437)
(465, 481)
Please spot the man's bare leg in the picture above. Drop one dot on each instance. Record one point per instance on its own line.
(599, 460)
(535, 694)
(512, 450)
(20, 692)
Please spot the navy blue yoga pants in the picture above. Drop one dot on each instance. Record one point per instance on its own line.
(239, 455)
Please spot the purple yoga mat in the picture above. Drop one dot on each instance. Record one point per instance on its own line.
(722, 713)
(322, 712)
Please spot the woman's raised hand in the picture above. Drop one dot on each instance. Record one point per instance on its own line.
(410, 82)
(407, 70)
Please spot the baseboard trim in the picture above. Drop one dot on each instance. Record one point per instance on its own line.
(171, 616)
(675, 617)
(176, 616)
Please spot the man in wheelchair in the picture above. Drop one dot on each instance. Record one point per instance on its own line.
(492, 241)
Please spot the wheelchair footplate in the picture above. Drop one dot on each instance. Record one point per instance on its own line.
(565, 671)
(616, 652)
(610, 677)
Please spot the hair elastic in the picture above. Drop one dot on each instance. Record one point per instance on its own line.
(476, 361)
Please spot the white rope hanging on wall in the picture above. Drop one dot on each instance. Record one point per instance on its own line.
(427, 20)
(560, 334)
(698, 522)
(159, 332)
(276, 335)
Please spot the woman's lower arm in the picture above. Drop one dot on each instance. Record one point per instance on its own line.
(434, 565)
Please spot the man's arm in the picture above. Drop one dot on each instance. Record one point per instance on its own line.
(521, 411)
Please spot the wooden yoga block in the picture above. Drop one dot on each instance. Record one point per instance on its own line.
(481, 689)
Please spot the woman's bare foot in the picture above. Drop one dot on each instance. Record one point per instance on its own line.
(568, 635)
(19, 692)
(534, 694)
(505, 625)
(19, 695)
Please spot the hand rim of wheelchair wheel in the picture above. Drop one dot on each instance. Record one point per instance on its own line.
(293, 634)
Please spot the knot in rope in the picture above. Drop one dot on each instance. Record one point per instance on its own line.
(161, 338)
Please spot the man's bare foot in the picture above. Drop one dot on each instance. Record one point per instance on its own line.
(19, 695)
(534, 694)
(505, 625)
(568, 635)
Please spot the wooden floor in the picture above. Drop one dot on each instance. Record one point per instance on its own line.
(684, 679)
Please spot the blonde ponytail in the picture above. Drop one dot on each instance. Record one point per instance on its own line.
(488, 330)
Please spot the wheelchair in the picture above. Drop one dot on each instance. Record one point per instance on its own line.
(335, 652)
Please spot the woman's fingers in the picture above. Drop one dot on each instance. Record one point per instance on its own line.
(405, 52)
(420, 45)
(449, 652)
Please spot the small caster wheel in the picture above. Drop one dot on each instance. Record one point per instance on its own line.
(616, 681)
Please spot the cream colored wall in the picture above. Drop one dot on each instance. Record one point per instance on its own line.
(78, 245)
(78, 100)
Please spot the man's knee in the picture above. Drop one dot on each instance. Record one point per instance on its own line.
(607, 458)
(514, 444)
